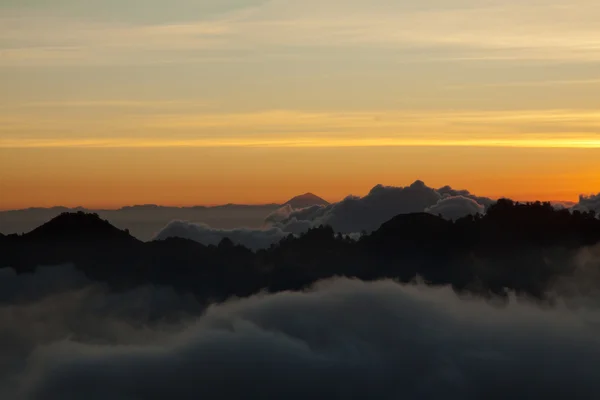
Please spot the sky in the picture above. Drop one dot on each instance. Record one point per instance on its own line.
(106, 103)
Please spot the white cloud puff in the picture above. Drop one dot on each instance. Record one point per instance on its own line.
(356, 214)
(455, 207)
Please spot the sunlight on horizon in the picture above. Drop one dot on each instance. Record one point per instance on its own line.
(338, 81)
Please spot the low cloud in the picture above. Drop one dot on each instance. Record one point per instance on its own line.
(356, 214)
(341, 339)
(59, 303)
(279, 215)
(251, 238)
(582, 287)
(456, 207)
(447, 191)
(588, 203)
(45, 281)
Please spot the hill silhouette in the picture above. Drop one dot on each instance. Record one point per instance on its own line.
(521, 247)
(306, 200)
(78, 227)
(144, 220)
(81, 238)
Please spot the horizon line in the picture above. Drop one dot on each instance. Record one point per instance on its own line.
(120, 208)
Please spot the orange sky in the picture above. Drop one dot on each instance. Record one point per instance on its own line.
(110, 178)
(105, 104)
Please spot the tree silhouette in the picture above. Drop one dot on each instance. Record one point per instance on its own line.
(508, 247)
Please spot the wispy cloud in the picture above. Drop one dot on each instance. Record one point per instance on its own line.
(543, 30)
(529, 128)
(538, 83)
(370, 122)
(109, 103)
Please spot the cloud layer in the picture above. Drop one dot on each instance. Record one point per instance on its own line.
(448, 30)
(589, 203)
(350, 216)
(342, 339)
(455, 207)
(251, 238)
(60, 303)
(355, 214)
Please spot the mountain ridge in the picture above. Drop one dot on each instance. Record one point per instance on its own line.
(508, 247)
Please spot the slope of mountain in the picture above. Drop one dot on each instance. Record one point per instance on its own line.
(144, 221)
(522, 247)
(306, 200)
(79, 227)
(80, 238)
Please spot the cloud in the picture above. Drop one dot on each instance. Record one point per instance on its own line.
(30, 287)
(342, 339)
(60, 303)
(582, 287)
(252, 238)
(355, 214)
(279, 215)
(588, 203)
(303, 128)
(464, 30)
(349, 216)
(455, 207)
(447, 191)
(559, 205)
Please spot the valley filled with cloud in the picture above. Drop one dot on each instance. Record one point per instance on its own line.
(341, 338)
(489, 300)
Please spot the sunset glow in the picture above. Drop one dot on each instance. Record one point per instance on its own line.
(252, 101)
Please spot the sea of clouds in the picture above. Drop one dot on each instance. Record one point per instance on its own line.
(64, 337)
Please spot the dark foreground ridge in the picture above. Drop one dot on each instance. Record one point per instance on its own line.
(521, 247)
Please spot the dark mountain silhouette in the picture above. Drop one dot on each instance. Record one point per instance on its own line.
(144, 221)
(306, 200)
(78, 227)
(80, 238)
(522, 247)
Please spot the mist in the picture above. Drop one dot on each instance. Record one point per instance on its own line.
(251, 238)
(144, 222)
(339, 339)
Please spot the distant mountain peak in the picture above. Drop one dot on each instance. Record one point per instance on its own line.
(306, 200)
